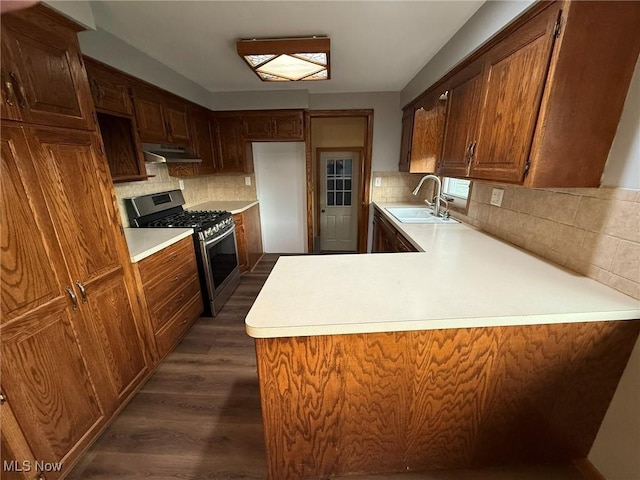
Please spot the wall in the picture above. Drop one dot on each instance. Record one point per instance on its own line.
(488, 20)
(387, 121)
(77, 10)
(399, 186)
(260, 100)
(109, 49)
(196, 190)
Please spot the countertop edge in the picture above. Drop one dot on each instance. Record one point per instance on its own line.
(208, 205)
(161, 245)
(454, 323)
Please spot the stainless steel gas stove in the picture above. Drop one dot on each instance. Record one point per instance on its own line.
(214, 241)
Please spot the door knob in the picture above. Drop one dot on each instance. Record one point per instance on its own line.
(322, 210)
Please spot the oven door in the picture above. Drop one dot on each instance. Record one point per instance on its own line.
(221, 261)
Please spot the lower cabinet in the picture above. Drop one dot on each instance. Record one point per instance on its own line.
(171, 290)
(248, 238)
(386, 238)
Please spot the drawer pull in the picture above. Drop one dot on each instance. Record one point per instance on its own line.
(173, 257)
(183, 322)
(179, 299)
(175, 279)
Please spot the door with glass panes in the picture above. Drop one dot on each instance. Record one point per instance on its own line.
(339, 172)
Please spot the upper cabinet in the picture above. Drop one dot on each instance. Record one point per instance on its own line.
(274, 125)
(539, 104)
(161, 118)
(234, 154)
(422, 134)
(42, 75)
(111, 92)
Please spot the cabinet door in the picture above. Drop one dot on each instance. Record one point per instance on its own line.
(231, 145)
(177, 119)
(148, 105)
(110, 91)
(241, 245)
(289, 126)
(428, 134)
(47, 76)
(464, 92)
(515, 73)
(78, 194)
(257, 127)
(45, 369)
(202, 135)
(405, 145)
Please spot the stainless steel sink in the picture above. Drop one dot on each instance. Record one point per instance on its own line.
(417, 215)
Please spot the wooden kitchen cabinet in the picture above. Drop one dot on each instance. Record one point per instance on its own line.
(248, 238)
(171, 287)
(539, 103)
(386, 239)
(281, 125)
(202, 144)
(111, 93)
(463, 106)
(234, 154)
(161, 118)
(68, 314)
(73, 349)
(110, 90)
(43, 80)
(422, 134)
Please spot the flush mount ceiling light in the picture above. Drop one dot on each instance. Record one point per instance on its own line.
(287, 59)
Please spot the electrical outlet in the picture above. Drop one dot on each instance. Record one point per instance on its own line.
(496, 196)
(378, 182)
(247, 181)
(181, 184)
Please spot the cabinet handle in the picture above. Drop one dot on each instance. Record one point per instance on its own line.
(179, 299)
(183, 322)
(11, 94)
(22, 100)
(172, 257)
(74, 299)
(40, 476)
(83, 291)
(3, 399)
(175, 279)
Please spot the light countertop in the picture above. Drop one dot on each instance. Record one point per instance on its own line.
(463, 278)
(143, 242)
(237, 206)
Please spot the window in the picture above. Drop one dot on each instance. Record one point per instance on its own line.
(456, 192)
(339, 182)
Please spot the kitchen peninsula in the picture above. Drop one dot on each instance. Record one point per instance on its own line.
(469, 353)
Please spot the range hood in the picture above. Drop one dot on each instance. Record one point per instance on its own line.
(154, 153)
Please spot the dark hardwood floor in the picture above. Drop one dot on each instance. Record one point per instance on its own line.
(198, 416)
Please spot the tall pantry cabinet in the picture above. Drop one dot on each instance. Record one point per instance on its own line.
(72, 350)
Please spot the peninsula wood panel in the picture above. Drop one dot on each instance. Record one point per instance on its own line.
(438, 399)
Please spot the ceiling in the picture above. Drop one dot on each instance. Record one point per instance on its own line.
(375, 45)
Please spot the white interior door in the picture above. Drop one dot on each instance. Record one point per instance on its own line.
(281, 188)
(338, 180)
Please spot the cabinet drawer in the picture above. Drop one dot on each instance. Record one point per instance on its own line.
(178, 326)
(163, 310)
(163, 286)
(167, 261)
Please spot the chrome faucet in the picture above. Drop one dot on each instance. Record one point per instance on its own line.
(438, 196)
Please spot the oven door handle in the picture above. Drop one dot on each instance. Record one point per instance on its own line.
(220, 237)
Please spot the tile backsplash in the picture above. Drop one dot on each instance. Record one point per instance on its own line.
(593, 231)
(397, 187)
(196, 189)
